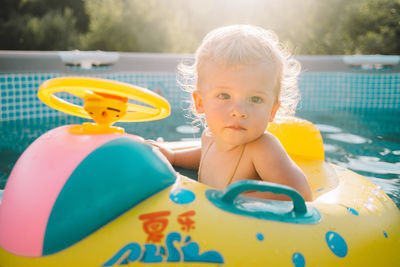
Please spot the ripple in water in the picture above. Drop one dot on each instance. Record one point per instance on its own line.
(328, 128)
(373, 165)
(348, 138)
(186, 129)
(328, 148)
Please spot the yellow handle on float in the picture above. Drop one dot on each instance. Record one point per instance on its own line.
(158, 107)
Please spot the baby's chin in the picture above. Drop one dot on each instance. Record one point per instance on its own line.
(237, 141)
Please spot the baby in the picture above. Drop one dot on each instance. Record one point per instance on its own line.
(242, 79)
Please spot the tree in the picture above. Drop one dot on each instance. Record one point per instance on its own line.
(134, 25)
(373, 27)
(177, 26)
(42, 24)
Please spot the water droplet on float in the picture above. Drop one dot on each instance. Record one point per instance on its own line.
(298, 260)
(260, 236)
(385, 234)
(369, 206)
(353, 211)
(336, 244)
(182, 196)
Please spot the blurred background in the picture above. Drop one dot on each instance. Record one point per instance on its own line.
(307, 27)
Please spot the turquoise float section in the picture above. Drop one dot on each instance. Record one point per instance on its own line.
(112, 179)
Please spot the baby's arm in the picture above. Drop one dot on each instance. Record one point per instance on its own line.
(273, 164)
(186, 158)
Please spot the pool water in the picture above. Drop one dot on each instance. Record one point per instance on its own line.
(367, 143)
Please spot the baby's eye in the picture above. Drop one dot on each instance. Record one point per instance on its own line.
(223, 96)
(256, 99)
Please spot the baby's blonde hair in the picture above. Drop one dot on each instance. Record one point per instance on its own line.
(244, 45)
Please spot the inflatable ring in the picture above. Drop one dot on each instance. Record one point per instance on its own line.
(155, 108)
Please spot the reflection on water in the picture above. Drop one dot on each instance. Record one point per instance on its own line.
(367, 143)
(348, 138)
(328, 148)
(187, 129)
(328, 128)
(373, 165)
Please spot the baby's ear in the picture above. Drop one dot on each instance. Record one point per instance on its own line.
(275, 108)
(198, 102)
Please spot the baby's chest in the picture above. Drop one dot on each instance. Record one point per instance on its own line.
(219, 171)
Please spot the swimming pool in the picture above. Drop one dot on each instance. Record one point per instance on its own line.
(356, 107)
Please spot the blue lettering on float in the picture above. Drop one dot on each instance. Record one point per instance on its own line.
(173, 252)
(150, 254)
(157, 254)
(135, 252)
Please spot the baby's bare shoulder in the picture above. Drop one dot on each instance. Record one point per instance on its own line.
(266, 141)
(266, 147)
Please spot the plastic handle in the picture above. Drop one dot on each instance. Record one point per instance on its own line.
(235, 189)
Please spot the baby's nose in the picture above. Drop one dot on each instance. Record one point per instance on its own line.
(238, 112)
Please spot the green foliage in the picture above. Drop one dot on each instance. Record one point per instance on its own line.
(40, 25)
(134, 25)
(177, 26)
(120, 25)
(56, 30)
(374, 27)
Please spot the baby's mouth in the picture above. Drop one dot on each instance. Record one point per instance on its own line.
(236, 127)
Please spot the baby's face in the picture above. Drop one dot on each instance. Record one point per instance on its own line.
(238, 101)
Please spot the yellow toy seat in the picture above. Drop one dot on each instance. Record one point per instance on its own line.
(303, 142)
(300, 138)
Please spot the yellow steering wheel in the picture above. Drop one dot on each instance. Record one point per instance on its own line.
(105, 101)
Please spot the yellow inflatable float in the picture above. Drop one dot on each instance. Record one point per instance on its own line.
(92, 195)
